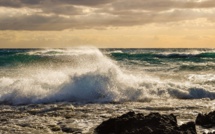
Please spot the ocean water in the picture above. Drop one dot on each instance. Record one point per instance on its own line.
(92, 75)
(102, 83)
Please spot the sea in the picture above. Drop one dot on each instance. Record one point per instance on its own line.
(107, 82)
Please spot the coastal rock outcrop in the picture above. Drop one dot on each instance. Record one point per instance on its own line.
(206, 120)
(154, 123)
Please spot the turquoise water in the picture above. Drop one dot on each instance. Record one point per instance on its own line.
(105, 75)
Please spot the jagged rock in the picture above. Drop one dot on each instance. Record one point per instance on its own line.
(154, 123)
(188, 128)
(209, 133)
(54, 127)
(206, 120)
(69, 129)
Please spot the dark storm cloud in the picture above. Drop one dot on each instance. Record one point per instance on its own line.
(120, 4)
(36, 22)
(73, 14)
(83, 2)
(63, 10)
(161, 4)
(10, 3)
(22, 3)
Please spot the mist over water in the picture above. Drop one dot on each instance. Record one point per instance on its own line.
(90, 75)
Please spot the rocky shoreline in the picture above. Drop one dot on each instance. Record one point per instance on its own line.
(62, 118)
(153, 123)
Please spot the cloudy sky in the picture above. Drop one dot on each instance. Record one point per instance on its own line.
(107, 23)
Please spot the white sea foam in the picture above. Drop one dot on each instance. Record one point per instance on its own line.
(187, 52)
(88, 76)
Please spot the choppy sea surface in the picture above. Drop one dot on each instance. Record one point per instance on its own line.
(101, 83)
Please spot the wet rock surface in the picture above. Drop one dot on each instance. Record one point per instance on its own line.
(154, 123)
(34, 119)
(209, 133)
(206, 120)
(78, 118)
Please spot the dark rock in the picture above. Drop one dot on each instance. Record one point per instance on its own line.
(3, 119)
(209, 133)
(206, 120)
(154, 123)
(68, 129)
(54, 127)
(189, 128)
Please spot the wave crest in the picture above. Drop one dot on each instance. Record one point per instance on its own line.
(86, 75)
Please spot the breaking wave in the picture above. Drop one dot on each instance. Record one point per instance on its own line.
(85, 75)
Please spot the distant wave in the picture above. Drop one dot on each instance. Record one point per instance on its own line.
(153, 55)
(192, 93)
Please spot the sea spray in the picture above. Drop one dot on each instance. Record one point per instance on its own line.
(90, 75)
